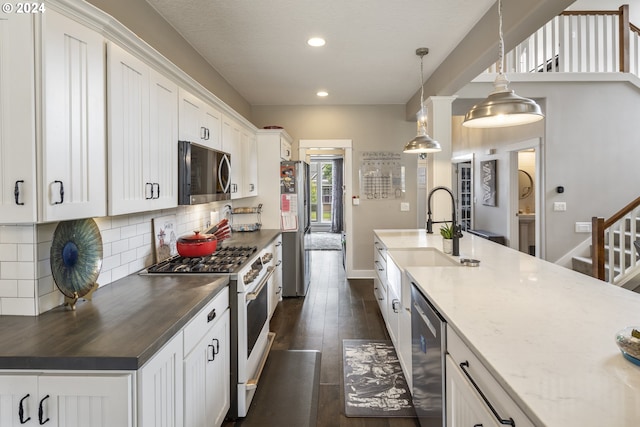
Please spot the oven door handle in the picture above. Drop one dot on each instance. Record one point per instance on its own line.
(253, 295)
(252, 384)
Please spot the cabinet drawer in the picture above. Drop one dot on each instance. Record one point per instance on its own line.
(484, 380)
(205, 319)
(380, 260)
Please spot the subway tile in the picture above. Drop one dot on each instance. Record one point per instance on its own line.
(119, 221)
(44, 251)
(8, 252)
(120, 246)
(106, 250)
(136, 241)
(46, 285)
(110, 235)
(26, 288)
(18, 306)
(45, 232)
(104, 278)
(136, 266)
(26, 252)
(128, 256)
(50, 301)
(103, 223)
(17, 233)
(119, 272)
(128, 231)
(8, 288)
(109, 263)
(44, 268)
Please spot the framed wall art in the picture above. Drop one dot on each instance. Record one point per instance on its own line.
(488, 182)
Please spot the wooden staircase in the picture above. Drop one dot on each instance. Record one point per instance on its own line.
(614, 258)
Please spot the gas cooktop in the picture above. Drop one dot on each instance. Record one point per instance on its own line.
(226, 259)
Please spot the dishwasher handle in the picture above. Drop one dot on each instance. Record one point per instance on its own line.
(425, 319)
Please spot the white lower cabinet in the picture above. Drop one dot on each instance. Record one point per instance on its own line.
(275, 283)
(206, 364)
(66, 400)
(473, 396)
(160, 387)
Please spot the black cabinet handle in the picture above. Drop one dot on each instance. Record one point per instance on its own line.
(464, 365)
(217, 345)
(61, 201)
(148, 184)
(21, 411)
(41, 411)
(211, 315)
(157, 186)
(16, 192)
(211, 356)
(203, 132)
(207, 133)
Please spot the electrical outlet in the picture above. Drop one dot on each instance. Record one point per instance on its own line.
(405, 207)
(559, 206)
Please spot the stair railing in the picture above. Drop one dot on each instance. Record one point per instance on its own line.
(616, 234)
(579, 41)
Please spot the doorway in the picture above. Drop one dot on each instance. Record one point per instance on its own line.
(324, 173)
(340, 148)
(525, 200)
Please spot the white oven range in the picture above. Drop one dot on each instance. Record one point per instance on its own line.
(249, 273)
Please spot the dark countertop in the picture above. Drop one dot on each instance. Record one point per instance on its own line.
(124, 325)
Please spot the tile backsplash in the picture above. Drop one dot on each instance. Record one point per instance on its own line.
(26, 284)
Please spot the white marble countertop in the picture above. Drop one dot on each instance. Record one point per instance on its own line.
(545, 332)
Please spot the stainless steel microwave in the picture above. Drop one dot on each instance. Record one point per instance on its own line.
(204, 174)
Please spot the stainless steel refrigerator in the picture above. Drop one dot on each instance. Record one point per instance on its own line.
(295, 226)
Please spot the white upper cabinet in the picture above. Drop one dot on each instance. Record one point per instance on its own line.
(199, 122)
(143, 135)
(232, 144)
(73, 151)
(250, 163)
(18, 201)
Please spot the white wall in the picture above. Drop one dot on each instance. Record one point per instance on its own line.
(371, 128)
(591, 147)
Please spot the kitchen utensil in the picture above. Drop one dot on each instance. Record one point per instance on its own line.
(197, 245)
(216, 227)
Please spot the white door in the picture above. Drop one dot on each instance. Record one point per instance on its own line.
(17, 120)
(73, 144)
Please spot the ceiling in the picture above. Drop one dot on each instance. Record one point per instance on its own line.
(259, 46)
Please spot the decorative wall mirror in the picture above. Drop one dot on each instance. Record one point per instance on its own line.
(525, 184)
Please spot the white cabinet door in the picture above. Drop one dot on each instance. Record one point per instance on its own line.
(18, 400)
(161, 166)
(73, 181)
(66, 400)
(285, 148)
(250, 163)
(143, 132)
(206, 377)
(161, 387)
(18, 201)
(76, 400)
(199, 122)
(232, 144)
(465, 408)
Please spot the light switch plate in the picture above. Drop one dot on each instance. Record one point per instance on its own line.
(583, 227)
(559, 206)
(405, 207)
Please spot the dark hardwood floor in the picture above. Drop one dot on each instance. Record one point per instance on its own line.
(334, 309)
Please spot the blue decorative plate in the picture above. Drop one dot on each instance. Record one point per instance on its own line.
(76, 256)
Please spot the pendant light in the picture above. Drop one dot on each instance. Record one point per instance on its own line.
(502, 107)
(422, 143)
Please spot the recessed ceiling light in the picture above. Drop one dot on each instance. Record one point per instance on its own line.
(316, 41)
(322, 93)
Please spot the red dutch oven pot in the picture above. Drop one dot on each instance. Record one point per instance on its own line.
(197, 245)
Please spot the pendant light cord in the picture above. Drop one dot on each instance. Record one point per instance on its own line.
(421, 82)
(501, 40)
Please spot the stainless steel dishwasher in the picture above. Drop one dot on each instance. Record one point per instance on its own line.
(428, 346)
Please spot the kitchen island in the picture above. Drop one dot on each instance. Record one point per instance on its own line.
(544, 333)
